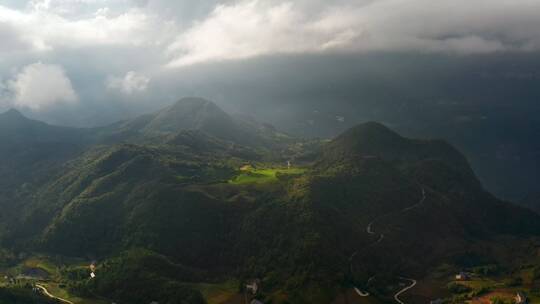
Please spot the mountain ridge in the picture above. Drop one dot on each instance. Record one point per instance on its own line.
(172, 190)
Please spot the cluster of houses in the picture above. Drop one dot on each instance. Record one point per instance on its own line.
(519, 298)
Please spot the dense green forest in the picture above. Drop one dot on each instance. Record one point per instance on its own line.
(188, 195)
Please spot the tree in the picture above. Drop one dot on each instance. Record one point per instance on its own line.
(458, 288)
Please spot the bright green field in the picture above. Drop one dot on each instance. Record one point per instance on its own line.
(261, 176)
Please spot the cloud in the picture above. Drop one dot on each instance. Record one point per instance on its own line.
(247, 29)
(97, 40)
(182, 32)
(51, 25)
(38, 86)
(253, 28)
(11, 39)
(65, 7)
(129, 84)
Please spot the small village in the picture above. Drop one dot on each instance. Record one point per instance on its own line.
(477, 285)
(474, 288)
(41, 276)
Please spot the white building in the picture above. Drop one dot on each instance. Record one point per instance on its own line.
(462, 276)
(521, 298)
(253, 287)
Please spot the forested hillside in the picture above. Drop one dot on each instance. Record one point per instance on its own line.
(189, 195)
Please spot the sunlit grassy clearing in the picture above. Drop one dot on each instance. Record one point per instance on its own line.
(266, 175)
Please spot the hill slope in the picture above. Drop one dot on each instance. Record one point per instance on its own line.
(189, 114)
(373, 205)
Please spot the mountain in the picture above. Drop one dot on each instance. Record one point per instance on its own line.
(186, 114)
(190, 114)
(15, 128)
(178, 198)
(374, 141)
(33, 151)
(30, 152)
(413, 190)
(532, 201)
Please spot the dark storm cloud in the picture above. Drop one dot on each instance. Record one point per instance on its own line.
(247, 29)
(141, 54)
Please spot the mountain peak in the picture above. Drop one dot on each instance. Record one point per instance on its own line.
(193, 101)
(370, 138)
(371, 129)
(13, 113)
(191, 114)
(374, 140)
(193, 106)
(13, 118)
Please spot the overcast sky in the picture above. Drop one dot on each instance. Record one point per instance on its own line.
(101, 60)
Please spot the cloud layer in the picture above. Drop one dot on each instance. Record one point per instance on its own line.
(101, 43)
(241, 29)
(254, 28)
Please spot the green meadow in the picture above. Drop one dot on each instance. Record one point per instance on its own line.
(266, 175)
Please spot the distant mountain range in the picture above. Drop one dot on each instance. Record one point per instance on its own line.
(155, 198)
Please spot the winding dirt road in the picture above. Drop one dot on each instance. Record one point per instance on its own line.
(361, 293)
(396, 296)
(48, 294)
(369, 230)
(417, 204)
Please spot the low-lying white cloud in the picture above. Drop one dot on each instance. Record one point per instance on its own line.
(39, 85)
(249, 29)
(129, 84)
